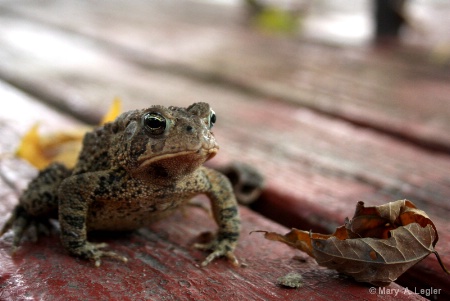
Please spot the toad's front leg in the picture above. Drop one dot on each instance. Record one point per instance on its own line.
(75, 195)
(226, 214)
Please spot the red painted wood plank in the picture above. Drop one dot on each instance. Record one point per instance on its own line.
(163, 264)
(317, 167)
(331, 173)
(315, 185)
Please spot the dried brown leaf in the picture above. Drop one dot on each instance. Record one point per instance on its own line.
(377, 245)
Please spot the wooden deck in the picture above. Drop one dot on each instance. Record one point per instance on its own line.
(328, 126)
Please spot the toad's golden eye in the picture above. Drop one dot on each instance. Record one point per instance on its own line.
(154, 123)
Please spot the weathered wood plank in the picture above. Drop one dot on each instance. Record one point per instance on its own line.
(345, 165)
(361, 86)
(163, 265)
(286, 134)
(317, 166)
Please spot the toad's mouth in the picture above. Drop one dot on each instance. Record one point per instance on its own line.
(187, 157)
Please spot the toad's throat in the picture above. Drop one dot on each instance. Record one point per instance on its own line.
(185, 156)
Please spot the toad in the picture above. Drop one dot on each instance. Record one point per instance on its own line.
(132, 172)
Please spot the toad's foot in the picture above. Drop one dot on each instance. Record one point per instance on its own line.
(219, 248)
(92, 251)
(20, 221)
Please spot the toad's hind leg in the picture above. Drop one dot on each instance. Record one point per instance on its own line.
(38, 203)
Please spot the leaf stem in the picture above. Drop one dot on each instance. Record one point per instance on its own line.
(440, 262)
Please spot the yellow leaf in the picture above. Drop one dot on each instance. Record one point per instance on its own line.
(113, 112)
(30, 148)
(62, 146)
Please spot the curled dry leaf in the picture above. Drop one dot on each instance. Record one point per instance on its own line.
(376, 246)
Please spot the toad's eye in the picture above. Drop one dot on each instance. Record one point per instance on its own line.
(212, 118)
(154, 123)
